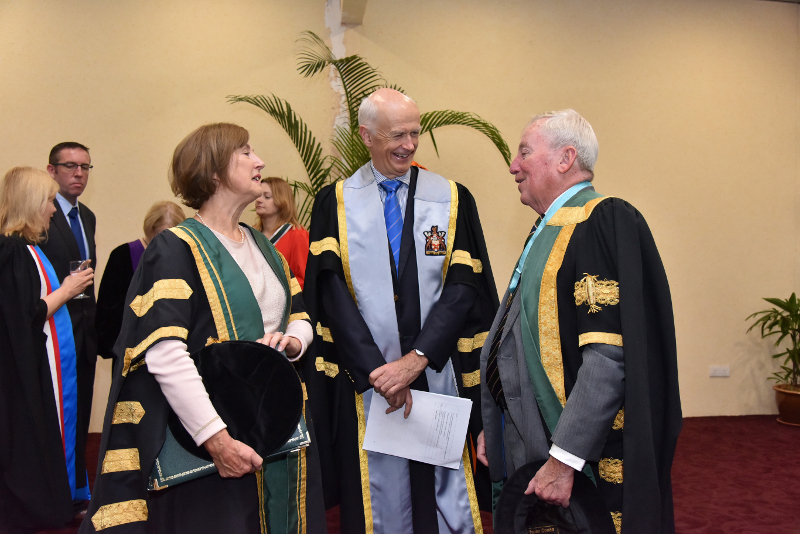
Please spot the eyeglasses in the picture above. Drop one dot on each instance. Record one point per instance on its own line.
(70, 166)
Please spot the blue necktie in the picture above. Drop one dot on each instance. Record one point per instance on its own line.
(75, 224)
(393, 217)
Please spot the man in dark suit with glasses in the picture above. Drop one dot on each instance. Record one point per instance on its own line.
(71, 238)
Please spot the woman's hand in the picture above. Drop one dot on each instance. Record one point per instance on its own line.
(74, 284)
(279, 341)
(232, 458)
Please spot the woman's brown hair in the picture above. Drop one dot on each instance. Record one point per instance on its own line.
(23, 196)
(283, 197)
(205, 154)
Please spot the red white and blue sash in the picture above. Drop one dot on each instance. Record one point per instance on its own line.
(62, 359)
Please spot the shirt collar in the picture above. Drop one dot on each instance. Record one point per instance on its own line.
(65, 205)
(406, 178)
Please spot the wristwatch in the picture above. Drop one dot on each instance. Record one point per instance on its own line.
(419, 352)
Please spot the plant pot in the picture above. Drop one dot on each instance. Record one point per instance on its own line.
(788, 400)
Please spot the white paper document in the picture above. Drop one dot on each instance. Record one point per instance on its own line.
(434, 432)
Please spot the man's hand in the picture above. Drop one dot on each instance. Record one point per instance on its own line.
(396, 402)
(390, 378)
(553, 483)
(481, 452)
(232, 458)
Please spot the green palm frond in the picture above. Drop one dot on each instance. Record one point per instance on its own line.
(352, 151)
(358, 77)
(317, 166)
(436, 119)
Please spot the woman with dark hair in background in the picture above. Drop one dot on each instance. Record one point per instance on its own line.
(119, 271)
(277, 219)
(208, 280)
(38, 381)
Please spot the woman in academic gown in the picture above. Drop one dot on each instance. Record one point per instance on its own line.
(38, 382)
(208, 280)
(119, 271)
(277, 219)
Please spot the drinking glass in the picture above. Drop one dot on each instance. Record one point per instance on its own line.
(76, 267)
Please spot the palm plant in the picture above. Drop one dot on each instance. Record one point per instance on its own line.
(783, 321)
(358, 79)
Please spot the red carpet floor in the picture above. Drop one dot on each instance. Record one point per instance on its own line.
(731, 475)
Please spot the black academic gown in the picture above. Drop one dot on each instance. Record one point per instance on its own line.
(465, 309)
(117, 277)
(34, 488)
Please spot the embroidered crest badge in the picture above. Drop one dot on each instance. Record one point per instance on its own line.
(589, 290)
(435, 244)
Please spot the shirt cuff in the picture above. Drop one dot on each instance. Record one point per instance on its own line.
(302, 332)
(567, 458)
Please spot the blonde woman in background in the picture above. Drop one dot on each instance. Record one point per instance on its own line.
(277, 219)
(38, 377)
(119, 271)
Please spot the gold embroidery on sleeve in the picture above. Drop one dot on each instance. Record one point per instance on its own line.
(324, 333)
(471, 379)
(120, 460)
(610, 470)
(619, 420)
(468, 344)
(299, 317)
(212, 341)
(164, 331)
(599, 337)
(162, 289)
(330, 369)
(589, 290)
(294, 286)
(463, 257)
(120, 513)
(328, 244)
(616, 517)
(127, 412)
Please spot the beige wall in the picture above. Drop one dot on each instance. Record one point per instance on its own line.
(695, 104)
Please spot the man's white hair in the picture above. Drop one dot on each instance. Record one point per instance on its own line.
(566, 127)
(368, 110)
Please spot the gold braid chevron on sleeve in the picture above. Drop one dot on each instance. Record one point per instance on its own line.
(299, 317)
(324, 333)
(463, 257)
(164, 331)
(619, 420)
(330, 369)
(294, 286)
(468, 344)
(328, 244)
(471, 379)
(120, 460)
(589, 290)
(162, 289)
(599, 337)
(120, 513)
(610, 470)
(127, 412)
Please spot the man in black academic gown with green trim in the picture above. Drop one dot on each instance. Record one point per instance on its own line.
(582, 351)
(401, 294)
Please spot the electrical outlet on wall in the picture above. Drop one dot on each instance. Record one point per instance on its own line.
(720, 371)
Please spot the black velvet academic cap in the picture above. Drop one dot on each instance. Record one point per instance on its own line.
(517, 513)
(254, 389)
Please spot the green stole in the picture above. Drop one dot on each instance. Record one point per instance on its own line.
(238, 317)
(532, 273)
